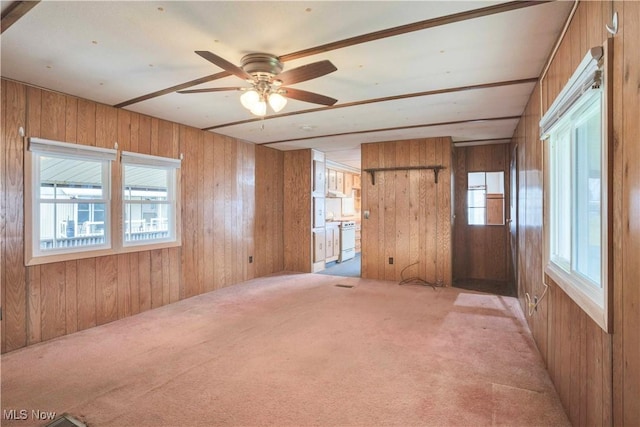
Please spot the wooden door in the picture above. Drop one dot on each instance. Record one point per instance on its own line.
(482, 247)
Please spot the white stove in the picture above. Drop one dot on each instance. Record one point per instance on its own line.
(347, 240)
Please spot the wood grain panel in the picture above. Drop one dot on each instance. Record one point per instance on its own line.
(124, 286)
(106, 289)
(14, 321)
(156, 278)
(269, 200)
(297, 211)
(369, 241)
(189, 170)
(230, 211)
(409, 207)
(52, 301)
(135, 282)
(208, 214)
(144, 280)
(630, 249)
(34, 314)
(71, 296)
(218, 190)
(86, 276)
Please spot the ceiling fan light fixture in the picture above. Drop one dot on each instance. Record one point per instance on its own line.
(249, 99)
(277, 102)
(259, 109)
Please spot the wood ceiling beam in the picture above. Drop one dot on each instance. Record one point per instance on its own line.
(384, 99)
(364, 38)
(14, 12)
(426, 125)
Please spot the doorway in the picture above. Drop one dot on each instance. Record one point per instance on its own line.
(482, 251)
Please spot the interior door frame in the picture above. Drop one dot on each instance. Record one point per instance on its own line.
(513, 213)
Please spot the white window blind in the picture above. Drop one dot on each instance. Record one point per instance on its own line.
(148, 160)
(586, 77)
(57, 148)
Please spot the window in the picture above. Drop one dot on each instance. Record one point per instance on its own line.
(149, 199)
(70, 212)
(574, 129)
(485, 198)
(70, 198)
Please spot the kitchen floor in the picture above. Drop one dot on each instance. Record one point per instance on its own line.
(350, 268)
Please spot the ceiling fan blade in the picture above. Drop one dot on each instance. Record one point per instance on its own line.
(306, 72)
(303, 95)
(224, 64)
(211, 89)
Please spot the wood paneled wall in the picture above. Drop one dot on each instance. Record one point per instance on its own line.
(597, 375)
(409, 215)
(480, 252)
(219, 219)
(269, 218)
(297, 211)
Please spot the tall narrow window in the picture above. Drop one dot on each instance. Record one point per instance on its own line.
(576, 208)
(70, 198)
(150, 202)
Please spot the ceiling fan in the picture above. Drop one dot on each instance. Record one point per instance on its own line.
(269, 84)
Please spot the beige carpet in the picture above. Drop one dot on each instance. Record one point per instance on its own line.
(296, 350)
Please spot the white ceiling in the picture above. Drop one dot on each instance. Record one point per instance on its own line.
(112, 52)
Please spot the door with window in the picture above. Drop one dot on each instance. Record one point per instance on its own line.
(481, 230)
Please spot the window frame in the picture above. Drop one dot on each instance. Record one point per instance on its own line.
(173, 187)
(113, 194)
(487, 197)
(595, 301)
(37, 148)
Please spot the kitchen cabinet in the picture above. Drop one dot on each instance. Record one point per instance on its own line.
(332, 247)
(318, 212)
(340, 182)
(319, 172)
(319, 246)
(348, 183)
(357, 181)
(331, 180)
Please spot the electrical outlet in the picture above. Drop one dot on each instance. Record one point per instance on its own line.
(390, 260)
(250, 259)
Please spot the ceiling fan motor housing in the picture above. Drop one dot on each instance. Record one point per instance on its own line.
(261, 64)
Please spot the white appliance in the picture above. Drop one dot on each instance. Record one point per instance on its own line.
(347, 240)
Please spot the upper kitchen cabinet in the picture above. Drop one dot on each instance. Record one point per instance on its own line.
(331, 180)
(319, 175)
(339, 182)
